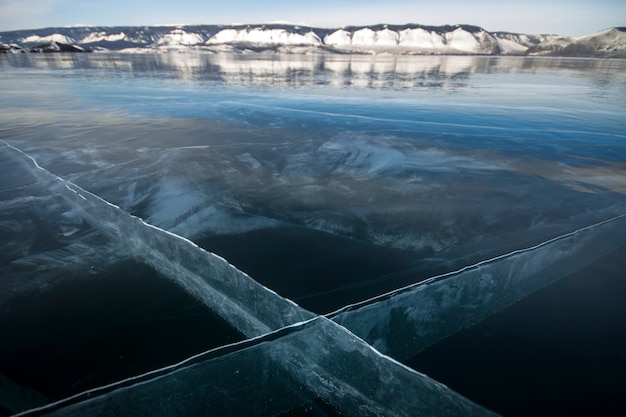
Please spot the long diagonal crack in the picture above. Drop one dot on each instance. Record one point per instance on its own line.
(321, 358)
(406, 321)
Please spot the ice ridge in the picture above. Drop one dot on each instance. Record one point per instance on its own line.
(247, 305)
(315, 354)
(404, 322)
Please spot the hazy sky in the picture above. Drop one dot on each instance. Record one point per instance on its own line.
(565, 17)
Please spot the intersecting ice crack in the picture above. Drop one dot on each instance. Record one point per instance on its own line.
(310, 358)
(338, 360)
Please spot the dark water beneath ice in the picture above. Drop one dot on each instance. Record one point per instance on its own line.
(329, 180)
(319, 271)
(93, 330)
(560, 351)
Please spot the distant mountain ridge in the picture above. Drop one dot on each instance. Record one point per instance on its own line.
(283, 38)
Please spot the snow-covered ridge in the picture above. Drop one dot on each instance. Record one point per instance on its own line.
(179, 37)
(264, 36)
(54, 37)
(607, 43)
(391, 39)
(103, 36)
(414, 39)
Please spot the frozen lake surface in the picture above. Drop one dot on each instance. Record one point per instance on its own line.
(329, 181)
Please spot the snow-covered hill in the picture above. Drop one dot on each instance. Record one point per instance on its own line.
(609, 43)
(392, 39)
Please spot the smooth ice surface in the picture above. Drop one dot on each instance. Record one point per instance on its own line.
(403, 323)
(75, 310)
(43, 240)
(565, 338)
(99, 326)
(439, 162)
(251, 308)
(458, 159)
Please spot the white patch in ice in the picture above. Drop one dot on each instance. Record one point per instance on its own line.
(171, 203)
(249, 159)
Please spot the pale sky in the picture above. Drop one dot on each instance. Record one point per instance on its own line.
(563, 17)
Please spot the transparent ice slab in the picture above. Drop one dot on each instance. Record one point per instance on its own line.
(449, 202)
(250, 307)
(314, 360)
(404, 322)
(44, 241)
(271, 375)
(94, 329)
(562, 134)
(75, 308)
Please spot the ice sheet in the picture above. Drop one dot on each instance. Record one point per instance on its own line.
(405, 322)
(325, 360)
(248, 306)
(465, 159)
(43, 240)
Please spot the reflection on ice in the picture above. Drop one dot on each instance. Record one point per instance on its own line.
(308, 70)
(453, 198)
(43, 240)
(251, 308)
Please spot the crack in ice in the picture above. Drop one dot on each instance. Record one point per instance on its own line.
(326, 355)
